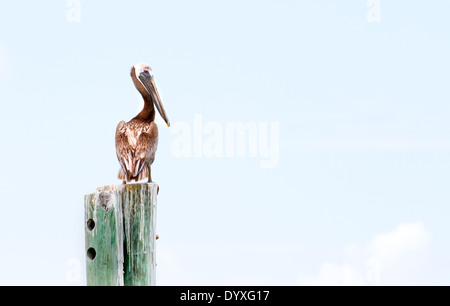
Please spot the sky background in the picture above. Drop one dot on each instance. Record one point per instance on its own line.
(359, 194)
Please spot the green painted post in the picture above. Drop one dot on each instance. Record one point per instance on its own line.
(120, 223)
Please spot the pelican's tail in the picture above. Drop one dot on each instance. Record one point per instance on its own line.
(128, 177)
(143, 174)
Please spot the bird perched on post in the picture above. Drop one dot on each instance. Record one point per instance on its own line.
(137, 139)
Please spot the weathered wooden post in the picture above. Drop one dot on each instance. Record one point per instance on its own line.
(120, 222)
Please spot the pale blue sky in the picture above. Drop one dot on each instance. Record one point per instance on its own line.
(364, 145)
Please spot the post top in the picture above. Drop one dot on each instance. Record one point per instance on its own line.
(126, 187)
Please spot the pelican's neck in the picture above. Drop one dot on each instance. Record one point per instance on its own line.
(148, 112)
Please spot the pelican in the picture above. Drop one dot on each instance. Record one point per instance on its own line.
(137, 139)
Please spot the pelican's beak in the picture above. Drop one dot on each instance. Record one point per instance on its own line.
(149, 84)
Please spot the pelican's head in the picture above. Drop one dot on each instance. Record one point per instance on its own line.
(144, 75)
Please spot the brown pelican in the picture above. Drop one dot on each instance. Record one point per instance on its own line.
(137, 139)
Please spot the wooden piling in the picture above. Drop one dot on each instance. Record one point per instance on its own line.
(120, 223)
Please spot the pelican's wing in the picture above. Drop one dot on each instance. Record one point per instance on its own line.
(146, 145)
(136, 144)
(124, 154)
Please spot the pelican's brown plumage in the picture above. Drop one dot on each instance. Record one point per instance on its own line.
(137, 139)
